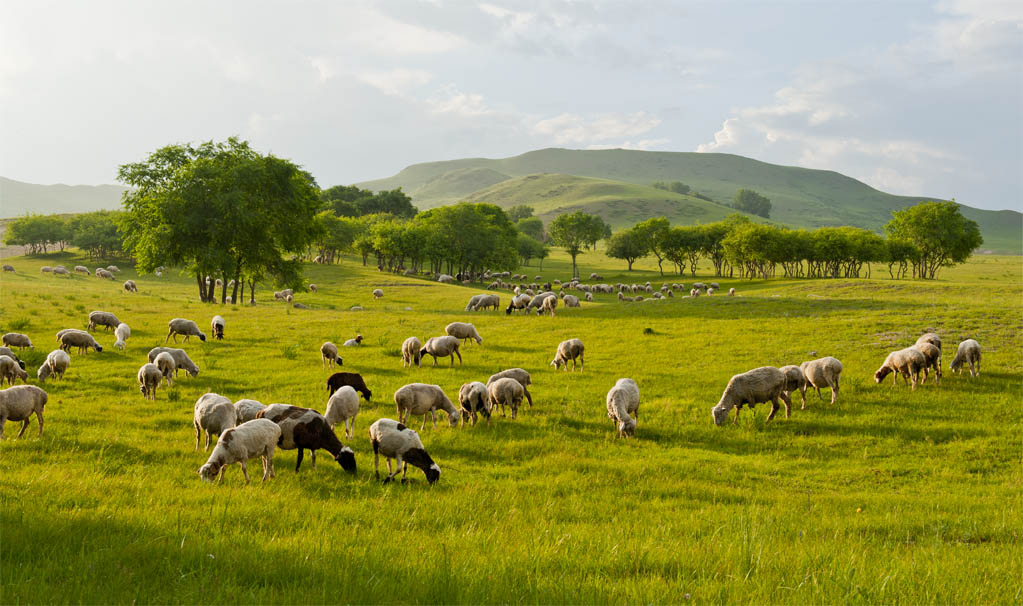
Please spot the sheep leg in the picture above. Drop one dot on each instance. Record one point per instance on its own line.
(433, 417)
(423, 426)
(735, 421)
(209, 440)
(24, 426)
(198, 432)
(404, 470)
(785, 399)
(529, 398)
(834, 391)
(376, 458)
(582, 363)
(312, 451)
(245, 471)
(220, 476)
(298, 463)
(774, 408)
(169, 333)
(349, 427)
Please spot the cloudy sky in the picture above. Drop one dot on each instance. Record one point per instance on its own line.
(919, 98)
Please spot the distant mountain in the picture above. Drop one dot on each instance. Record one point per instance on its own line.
(800, 197)
(18, 198)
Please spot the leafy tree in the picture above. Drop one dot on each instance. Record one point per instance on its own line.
(942, 236)
(675, 186)
(38, 232)
(899, 254)
(532, 227)
(627, 245)
(682, 246)
(751, 202)
(574, 231)
(97, 233)
(522, 211)
(528, 248)
(352, 201)
(653, 232)
(335, 235)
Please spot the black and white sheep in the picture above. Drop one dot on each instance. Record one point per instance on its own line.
(968, 352)
(16, 339)
(764, 384)
(822, 372)
(102, 318)
(214, 414)
(396, 441)
(423, 399)
(306, 429)
(255, 438)
(474, 400)
(352, 379)
(463, 331)
(518, 303)
(149, 377)
(217, 327)
(186, 328)
(9, 268)
(907, 362)
(342, 407)
(519, 375)
(442, 347)
(572, 349)
(19, 403)
(328, 355)
(410, 352)
(622, 406)
(180, 358)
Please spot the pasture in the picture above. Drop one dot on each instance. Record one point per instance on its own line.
(890, 495)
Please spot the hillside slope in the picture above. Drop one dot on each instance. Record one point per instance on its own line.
(18, 198)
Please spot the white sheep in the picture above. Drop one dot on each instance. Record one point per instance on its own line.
(622, 405)
(130, 286)
(248, 409)
(10, 370)
(343, 406)
(549, 304)
(506, 392)
(823, 372)
(764, 384)
(78, 338)
(56, 364)
(907, 362)
(102, 273)
(795, 381)
(165, 362)
(16, 339)
(149, 378)
(571, 349)
(442, 347)
(312, 288)
(410, 353)
(968, 352)
(122, 332)
(214, 414)
(102, 318)
(446, 279)
(932, 359)
(19, 403)
(181, 326)
(474, 400)
(255, 438)
(572, 300)
(356, 342)
(217, 327)
(396, 441)
(328, 355)
(519, 375)
(180, 358)
(421, 399)
(60, 270)
(114, 269)
(931, 338)
(731, 292)
(463, 331)
(378, 294)
(81, 269)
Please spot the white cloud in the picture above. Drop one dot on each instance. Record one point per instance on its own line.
(383, 36)
(575, 129)
(453, 101)
(642, 144)
(395, 82)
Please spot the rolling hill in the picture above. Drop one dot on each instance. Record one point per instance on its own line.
(18, 198)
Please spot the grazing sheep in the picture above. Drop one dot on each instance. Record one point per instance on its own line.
(378, 294)
(149, 377)
(181, 359)
(312, 288)
(396, 441)
(46, 269)
(102, 318)
(55, 365)
(351, 379)
(247, 409)
(306, 429)
(102, 273)
(328, 355)
(731, 292)
(214, 414)
(506, 392)
(187, 328)
(932, 359)
(11, 371)
(623, 401)
(60, 270)
(165, 362)
(81, 269)
(357, 341)
(538, 301)
(342, 406)
(589, 296)
(16, 339)
(571, 349)
(420, 399)
(519, 375)
(442, 347)
(464, 331)
(486, 301)
(549, 304)
(908, 362)
(931, 338)
(571, 300)
(217, 327)
(823, 372)
(764, 384)
(129, 286)
(9, 268)
(122, 332)
(80, 339)
(19, 403)
(445, 279)
(968, 351)
(474, 400)
(6, 351)
(113, 268)
(410, 353)
(518, 303)
(795, 381)
(255, 438)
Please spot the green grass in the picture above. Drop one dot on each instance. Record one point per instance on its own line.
(888, 496)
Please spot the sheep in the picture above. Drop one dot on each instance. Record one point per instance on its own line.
(129, 286)
(9, 268)
(968, 351)
(80, 339)
(442, 347)
(247, 409)
(102, 273)
(694, 292)
(342, 406)
(55, 365)
(46, 269)
(823, 372)
(464, 331)
(473, 301)
(60, 270)
(114, 269)
(149, 377)
(711, 291)
(312, 288)
(420, 399)
(932, 357)
(165, 362)
(506, 391)
(474, 400)
(217, 327)
(11, 371)
(731, 292)
(6, 351)
(623, 298)
(519, 375)
(16, 339)
(589, 296)
(549, 304)
(214, 414)
(306, 429)
(181, 326)
(181, 359)
(908, 362)
(518, 302)
(571, 349)
(19, 403)
(572, 300)
(102, 318)
(396, 441)
(378, 294)
(352, 379)
(445, 279)
(764, 384)
(357, 341)
(539, 299)
(931, 338)
(255, 438)
(328, 355)
(81, 269)
(623, 401)
(122, 332)
(795, 381)
(410, 353)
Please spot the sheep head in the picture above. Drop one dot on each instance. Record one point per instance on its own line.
(209, 471)
(346, 459)
(720, 414)
(881, 373)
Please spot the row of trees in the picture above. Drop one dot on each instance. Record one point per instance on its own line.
(96, 233)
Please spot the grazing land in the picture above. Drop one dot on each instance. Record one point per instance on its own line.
(890, 495)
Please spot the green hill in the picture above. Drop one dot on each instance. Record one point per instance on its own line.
(18, 198)
(801, 197)
(455, 184)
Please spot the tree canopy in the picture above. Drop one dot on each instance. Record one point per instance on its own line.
(574, 231)
(519, 212)
(752, 202)
(627, 245)
(352, 201)
(942, 236)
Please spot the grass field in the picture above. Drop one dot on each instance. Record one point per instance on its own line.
(888, 496)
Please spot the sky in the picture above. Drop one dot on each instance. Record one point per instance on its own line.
(913, 98)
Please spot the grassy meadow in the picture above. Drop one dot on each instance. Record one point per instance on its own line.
(890, 495)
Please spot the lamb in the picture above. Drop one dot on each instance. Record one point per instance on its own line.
(303, 428)
(420, 399)
(181, 326)
(932, 357)
(763, 384)
(165, 362)
(506, 392)
(571, 300)
(464, 331)
(247, 410)
(931, 338)
(181, 359)
(823, 372)
(342, 406)
(357, 341)
(395, 441)
(352, 379)
(55, 365)
(795, 381)
(16, 339)
(410, 353)
(908, 362)
(549, 304)
(442, 347)
(122, 332)
(328, 355)
(19, 403)
(623, 401)
(80, 339)
(255, 438)
(11, 371)
(214, 414)
(571, 349)
(102, 318)
(967, 352)
(474, 400)
(129, 286)
(81, 269)
(149, 377)
(378, 294)
(217, 327)
(519, 375)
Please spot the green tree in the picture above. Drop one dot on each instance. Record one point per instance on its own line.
(942, 236)
(753, 203)
(38, 232)
(528, 248)
(532, 227)
(675, 186)
(574, 231)
(627, 245)
(97, 233)
(519, 212)
(335, 236)
(653, 232)
(353, 201)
